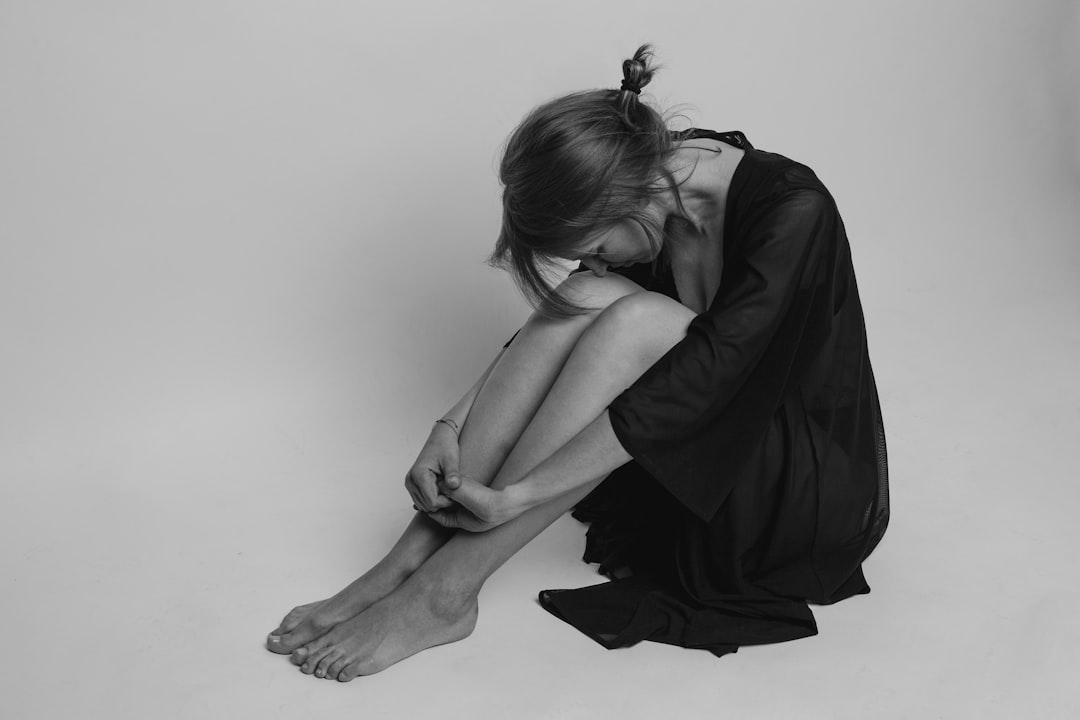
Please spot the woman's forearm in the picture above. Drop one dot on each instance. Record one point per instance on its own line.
(590, 456)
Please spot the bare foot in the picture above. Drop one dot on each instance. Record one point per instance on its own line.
(411, 619)
(288, 624)
(308, 622)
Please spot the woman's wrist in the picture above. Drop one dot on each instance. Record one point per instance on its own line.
(519, 497)
(448, 423)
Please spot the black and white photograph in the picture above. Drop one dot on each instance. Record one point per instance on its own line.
(542, 360)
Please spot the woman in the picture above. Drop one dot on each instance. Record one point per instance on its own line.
(709, 360)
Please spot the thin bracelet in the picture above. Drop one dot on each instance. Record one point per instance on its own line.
(450, 424)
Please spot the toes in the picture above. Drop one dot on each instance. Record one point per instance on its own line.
(297, 628)
(328, 659)
(309, 630)
(290, 621)
(297, 615)
(278, 643)
(284, 643)
(300, 655)
(349, 672)
(336, 667)
(311, 652)
(309, 656)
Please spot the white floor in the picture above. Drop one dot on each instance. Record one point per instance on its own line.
(141, 584)
(213, 378)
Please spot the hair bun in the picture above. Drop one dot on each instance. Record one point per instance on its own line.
(637, 71)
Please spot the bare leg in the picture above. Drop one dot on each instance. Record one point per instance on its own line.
(506, 403)
(438, 602)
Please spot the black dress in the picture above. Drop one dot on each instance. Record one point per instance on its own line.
(759, 480)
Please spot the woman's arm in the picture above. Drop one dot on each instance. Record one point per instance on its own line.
(717, 388)
(438, 459)
(588, 458)
(716, 392)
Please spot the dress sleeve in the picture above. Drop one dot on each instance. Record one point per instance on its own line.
(694, 416)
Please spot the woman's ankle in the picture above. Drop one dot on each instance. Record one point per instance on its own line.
(445, 599)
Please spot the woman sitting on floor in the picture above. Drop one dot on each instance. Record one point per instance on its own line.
(700, 391)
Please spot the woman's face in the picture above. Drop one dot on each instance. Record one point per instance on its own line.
(623, 244)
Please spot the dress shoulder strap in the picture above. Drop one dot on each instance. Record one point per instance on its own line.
(735, 138)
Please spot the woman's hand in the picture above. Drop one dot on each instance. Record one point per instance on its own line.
(477, 507)
(437, 461)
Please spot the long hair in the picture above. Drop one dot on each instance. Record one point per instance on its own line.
(577, 164)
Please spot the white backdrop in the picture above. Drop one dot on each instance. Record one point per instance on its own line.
(242, 245)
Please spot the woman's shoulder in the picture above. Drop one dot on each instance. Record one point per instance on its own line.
(771, 175)
(768, 168)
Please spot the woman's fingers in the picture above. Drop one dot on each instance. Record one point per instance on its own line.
(478, 499)
(460, 519)
(449, 463)
(442, 502)
(424, 487)
(421, 484)
(473, 505)
(446, 518)
(429, 487)
(410, 487)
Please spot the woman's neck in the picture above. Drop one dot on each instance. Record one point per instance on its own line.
(702, 176)
(702, 171)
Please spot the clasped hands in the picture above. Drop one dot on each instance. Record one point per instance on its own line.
(438, 489)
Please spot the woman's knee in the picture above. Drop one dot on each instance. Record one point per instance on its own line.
(645, 317)
(594, 292)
